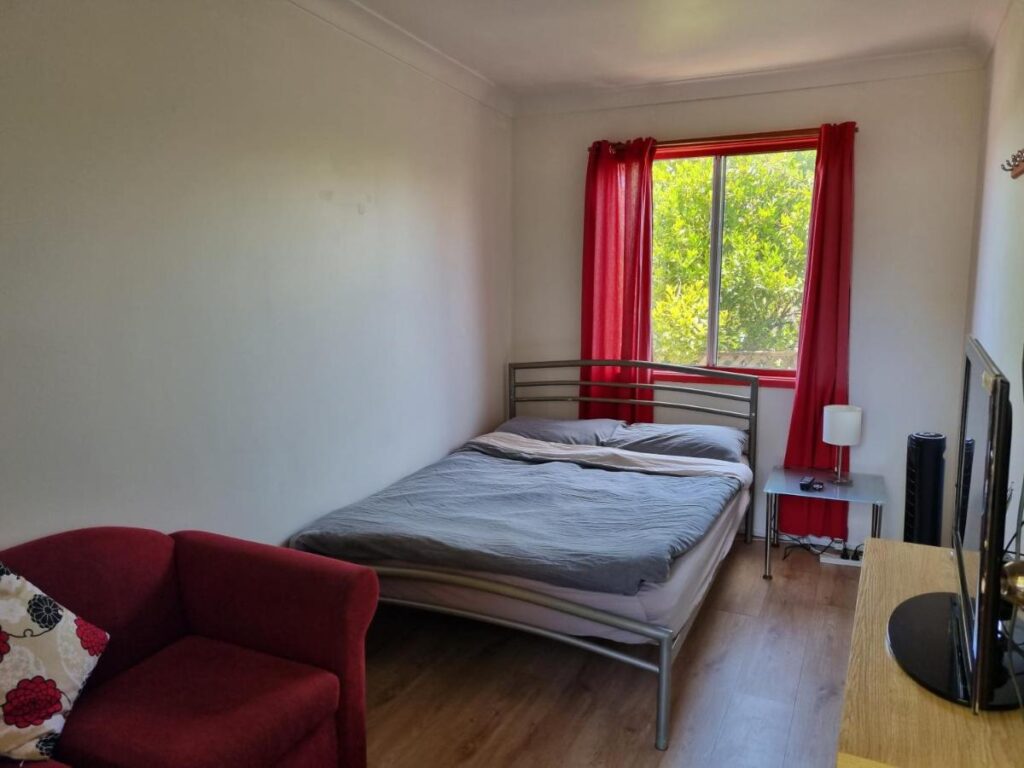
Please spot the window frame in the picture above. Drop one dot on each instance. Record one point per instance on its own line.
(720, 148)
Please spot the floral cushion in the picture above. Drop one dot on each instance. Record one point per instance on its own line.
(46, 655)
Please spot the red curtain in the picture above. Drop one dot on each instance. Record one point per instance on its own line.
(616, 322)
(822, 376)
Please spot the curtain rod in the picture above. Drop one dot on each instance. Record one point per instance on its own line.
(800, 133)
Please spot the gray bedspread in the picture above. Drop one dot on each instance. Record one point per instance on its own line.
(555, 521)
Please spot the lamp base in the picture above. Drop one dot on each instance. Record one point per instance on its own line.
(837, 476)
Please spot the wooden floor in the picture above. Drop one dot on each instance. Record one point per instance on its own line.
(759, 682)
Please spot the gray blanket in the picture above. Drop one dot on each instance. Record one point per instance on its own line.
(557, 522)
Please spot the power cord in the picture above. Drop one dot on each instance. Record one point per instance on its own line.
(854, 554)
(802, 543)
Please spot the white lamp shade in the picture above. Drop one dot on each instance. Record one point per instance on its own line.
(841, 425)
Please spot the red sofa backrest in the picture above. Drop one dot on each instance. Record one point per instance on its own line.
(121, 579)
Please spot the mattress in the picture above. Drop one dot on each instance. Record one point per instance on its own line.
(585, 517)
(673, 603)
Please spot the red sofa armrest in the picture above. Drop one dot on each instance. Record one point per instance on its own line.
(287, 603)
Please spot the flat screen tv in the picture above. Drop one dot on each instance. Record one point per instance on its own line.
(956, 643)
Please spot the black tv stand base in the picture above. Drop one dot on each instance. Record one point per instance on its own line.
(924, 638)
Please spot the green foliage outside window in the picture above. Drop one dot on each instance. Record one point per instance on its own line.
(764, 251)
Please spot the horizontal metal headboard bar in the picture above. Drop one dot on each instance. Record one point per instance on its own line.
(633, 401)
(742, 378)
(705, 377)
(612, 385)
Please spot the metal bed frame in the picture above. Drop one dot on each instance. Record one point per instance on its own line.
(668, 642)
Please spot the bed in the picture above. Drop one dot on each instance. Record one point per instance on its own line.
(492, 531)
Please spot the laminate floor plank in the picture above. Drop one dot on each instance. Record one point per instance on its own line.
(818, 707)
(837, 586)
(784, 627)
(739, 587)
(754, 734)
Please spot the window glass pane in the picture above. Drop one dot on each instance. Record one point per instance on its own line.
(681, 253)
(764, 254)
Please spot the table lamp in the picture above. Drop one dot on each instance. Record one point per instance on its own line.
(841, 428)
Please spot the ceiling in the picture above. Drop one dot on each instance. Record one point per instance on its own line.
(532, 47)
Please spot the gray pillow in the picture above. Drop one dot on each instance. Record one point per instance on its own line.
(573, 432)
(704, 441)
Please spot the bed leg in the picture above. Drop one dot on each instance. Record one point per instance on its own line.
(664, 692)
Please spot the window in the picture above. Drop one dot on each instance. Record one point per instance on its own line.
(730, 251)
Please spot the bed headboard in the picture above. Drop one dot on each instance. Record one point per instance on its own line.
(552, 381)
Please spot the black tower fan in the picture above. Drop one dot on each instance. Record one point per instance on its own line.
(926, 469)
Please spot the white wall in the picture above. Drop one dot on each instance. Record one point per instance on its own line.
(251, 268)
(916, 168)
(998, 315)
(242, 253)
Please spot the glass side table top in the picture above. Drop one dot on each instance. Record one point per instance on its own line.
(865, 488)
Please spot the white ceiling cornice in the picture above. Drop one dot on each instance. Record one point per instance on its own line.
(359, 22)
(352, 18)
(837, 72)
(987, 20)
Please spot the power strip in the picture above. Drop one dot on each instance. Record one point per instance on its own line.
(827, 558)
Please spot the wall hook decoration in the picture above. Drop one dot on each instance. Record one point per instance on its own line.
(1015, 165)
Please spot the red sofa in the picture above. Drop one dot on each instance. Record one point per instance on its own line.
(222, 652)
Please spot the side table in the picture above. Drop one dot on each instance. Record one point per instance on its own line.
(863, 489)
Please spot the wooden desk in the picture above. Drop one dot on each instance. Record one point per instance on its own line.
(888, 719)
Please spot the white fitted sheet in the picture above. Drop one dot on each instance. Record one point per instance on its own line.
(672, 603)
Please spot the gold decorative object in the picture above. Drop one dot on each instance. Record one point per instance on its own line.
(1011, 583)
(1015, 165)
